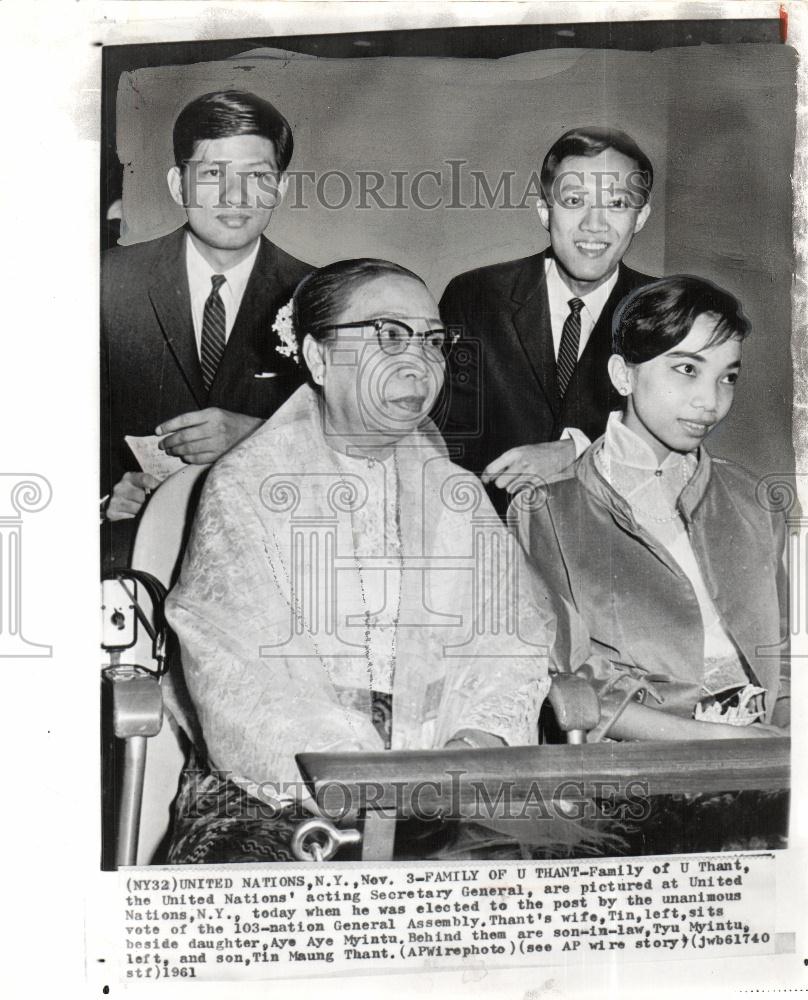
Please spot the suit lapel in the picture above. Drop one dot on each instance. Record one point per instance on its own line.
(171, 301)
(531, 320)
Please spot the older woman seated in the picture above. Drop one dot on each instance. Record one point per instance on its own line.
(335, 593)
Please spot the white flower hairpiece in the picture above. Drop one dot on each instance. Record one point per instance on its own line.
(284, 328)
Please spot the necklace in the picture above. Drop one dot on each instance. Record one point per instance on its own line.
(299, 618)
(397, 544)
(293, 602)
(608, 475)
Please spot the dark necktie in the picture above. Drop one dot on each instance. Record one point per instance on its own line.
(568, 348)
(213, 331)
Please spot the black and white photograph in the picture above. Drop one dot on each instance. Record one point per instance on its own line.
(441, 396)
(411, 347)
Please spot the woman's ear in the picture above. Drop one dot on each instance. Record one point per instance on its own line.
(620, 374)
(314, 356)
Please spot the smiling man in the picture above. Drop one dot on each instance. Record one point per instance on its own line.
(188, 351)
(537, 330)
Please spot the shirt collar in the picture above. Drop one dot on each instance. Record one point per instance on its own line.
(200, 271)
(623, 446)
(558, 291)
(587, 472)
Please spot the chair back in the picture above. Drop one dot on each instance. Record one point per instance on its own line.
(165, 523)
(159, 544)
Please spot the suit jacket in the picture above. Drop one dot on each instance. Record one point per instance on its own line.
(501, 379)
(150, 368)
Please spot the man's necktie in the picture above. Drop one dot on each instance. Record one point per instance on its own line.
(213, 331)
(568, 348)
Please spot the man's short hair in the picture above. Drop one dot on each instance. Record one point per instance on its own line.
(590, 141)
(655, 318)
(227, 113)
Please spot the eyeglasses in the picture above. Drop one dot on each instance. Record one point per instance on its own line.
(394, 336)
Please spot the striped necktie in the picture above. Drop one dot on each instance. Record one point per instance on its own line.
(568, 348)
(213, 331)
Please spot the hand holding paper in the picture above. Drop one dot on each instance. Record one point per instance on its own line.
(151, 458)
(202, 436)
(129, 495)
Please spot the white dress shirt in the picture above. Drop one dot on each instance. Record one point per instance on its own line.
(559, 297)
(231, 292)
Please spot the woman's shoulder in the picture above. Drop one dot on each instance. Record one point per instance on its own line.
(552, 504)
(266, 447)
(573, 485)
(274, 448)
(747, 488)
(733, 472)
(764, 499)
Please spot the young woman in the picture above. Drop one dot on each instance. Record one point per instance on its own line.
(328, 598)
(665, 570)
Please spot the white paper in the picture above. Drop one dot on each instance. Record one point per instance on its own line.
(151, 459)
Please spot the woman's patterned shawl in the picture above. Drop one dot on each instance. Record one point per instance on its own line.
(269, 608)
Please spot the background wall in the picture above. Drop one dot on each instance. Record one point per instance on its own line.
(717, 122)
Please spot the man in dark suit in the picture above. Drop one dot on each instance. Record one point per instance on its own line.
(188, 350)
(536, 333)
